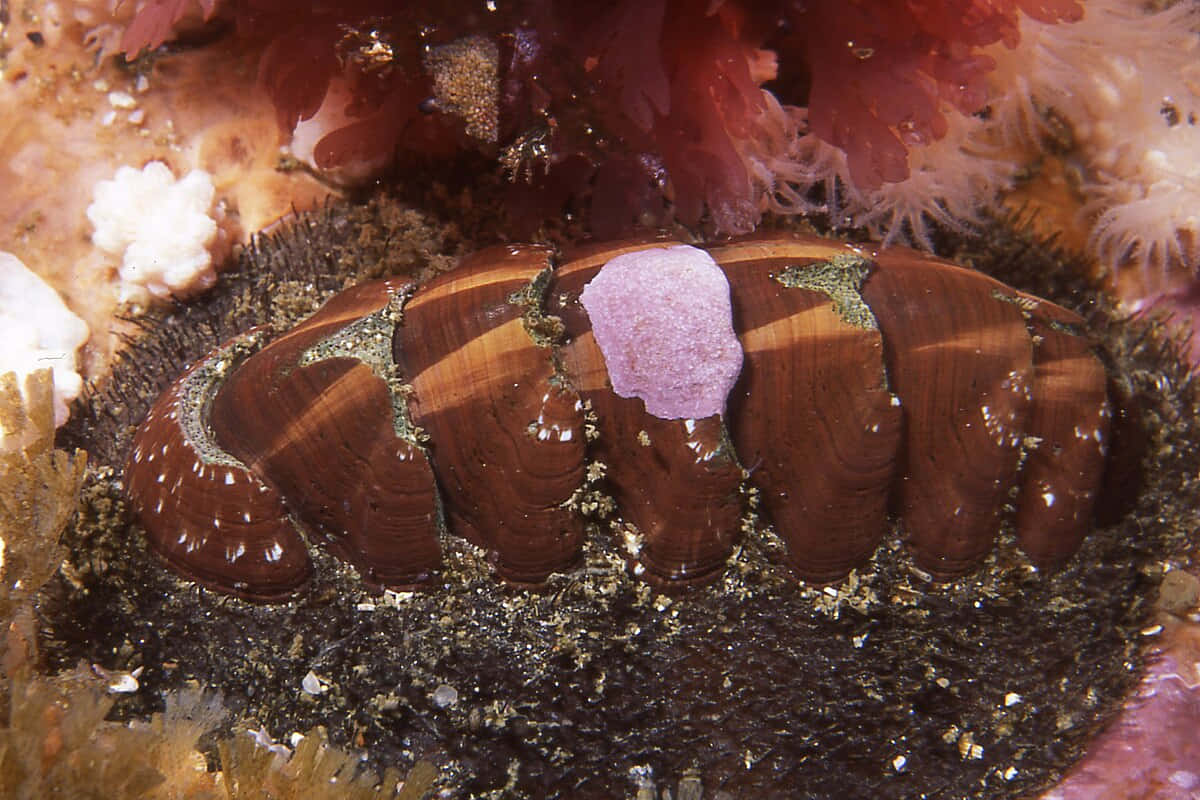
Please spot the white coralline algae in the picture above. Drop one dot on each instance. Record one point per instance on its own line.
(159, 227)
(38, 331)
(664, 322)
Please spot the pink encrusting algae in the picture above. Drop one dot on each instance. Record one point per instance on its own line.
(663, 320)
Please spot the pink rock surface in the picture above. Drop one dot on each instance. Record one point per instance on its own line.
(663, 320)
(1151, 751)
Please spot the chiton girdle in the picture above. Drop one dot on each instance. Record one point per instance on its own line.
(477, 403)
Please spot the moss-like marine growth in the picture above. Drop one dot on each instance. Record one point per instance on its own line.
(41, 487)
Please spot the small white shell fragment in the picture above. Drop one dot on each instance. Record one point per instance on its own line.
(445, 696)
(122, 100)
(120, 681)
(263, 739)
(312, 684)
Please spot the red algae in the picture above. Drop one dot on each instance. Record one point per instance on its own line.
(889, 116)
(885, 75)
(670, 92)
(155, 21)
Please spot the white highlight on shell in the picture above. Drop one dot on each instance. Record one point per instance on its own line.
(232, 554)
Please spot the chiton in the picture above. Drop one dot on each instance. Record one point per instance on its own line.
(875, 385)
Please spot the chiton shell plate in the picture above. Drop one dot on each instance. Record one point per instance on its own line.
(875, 384)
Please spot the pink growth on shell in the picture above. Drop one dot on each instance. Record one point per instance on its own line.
(664, 322)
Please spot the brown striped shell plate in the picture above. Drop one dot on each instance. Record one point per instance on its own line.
(875, 385)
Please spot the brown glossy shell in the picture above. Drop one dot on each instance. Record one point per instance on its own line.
(874, 384)
(320, 428)
(206, 513)
(675, 481)
(473, 367)
(840, 415)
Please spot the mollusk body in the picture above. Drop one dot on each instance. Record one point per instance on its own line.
(479, 405)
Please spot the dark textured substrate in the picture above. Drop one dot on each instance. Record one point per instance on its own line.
(886, 686)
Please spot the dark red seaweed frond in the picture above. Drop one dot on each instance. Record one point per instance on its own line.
(661, 102)
(155, 20)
